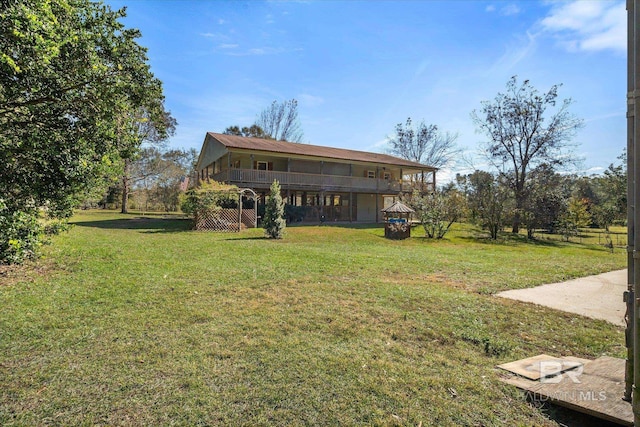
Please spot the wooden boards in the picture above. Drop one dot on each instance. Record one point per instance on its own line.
(592, 387)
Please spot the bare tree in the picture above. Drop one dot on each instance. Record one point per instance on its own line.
(280, 121)
(522, 134)
(425, 144)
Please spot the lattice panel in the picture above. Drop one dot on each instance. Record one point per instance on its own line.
(219, 220)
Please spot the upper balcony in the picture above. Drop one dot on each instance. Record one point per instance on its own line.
(262, 179)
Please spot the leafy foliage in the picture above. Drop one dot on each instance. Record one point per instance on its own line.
(425, 144)
(21, 234)
(208, 197)
(547, 193)
(274, 222)
(253, 131)
(488, 200)
(575, 217)
(437, 211)
(157, 174)
(70, 74)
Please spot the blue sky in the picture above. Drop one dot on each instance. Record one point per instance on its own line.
(358, 68)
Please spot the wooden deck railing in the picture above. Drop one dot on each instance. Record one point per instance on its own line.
(315, 182)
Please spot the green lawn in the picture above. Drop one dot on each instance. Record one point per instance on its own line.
(130, 321)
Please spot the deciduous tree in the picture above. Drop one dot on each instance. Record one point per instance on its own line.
(424, 144)
(438, 211)
(523, 132)
(488, 200)
(68, 70)
(280, 121)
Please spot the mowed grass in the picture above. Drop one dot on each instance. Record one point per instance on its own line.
(130, 321)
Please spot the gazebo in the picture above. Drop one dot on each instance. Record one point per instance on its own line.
(397, 221)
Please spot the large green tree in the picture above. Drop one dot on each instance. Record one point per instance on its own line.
(525, 131)
(71, 76)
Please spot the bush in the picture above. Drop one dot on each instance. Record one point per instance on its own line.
(208, 197)
(21, 233)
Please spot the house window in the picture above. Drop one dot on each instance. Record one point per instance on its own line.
(236, 164)
(387, 176)
(371, 174)
(262, 166)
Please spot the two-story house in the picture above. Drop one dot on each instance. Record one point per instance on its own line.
(333, 183)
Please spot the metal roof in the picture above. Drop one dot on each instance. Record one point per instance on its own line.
(292, 148)
(398, 207)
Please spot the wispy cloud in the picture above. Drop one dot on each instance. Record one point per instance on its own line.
(215, 36)
(228, 46)
(515, 53)
(588, 25)
(508, 9)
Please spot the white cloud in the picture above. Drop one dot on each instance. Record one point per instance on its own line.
(588, 25)
(490, 8)
(228, 46)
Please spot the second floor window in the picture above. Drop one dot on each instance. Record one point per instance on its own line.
(371, 174)
(262, 166)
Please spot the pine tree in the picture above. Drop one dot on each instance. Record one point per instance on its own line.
(274, 222)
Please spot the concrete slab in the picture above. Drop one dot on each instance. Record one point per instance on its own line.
(598, 297)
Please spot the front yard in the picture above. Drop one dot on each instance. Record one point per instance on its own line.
(130, 321)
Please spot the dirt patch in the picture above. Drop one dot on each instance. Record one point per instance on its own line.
(12, 274)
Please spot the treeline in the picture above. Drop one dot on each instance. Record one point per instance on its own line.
(551, 202)
(156, 177)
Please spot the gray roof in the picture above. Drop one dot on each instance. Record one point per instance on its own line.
(398, 207)
(284, 147)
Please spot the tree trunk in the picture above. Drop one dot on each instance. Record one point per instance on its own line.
(519, 196)
(125, 187)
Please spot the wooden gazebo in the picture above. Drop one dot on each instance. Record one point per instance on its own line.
(397, 221)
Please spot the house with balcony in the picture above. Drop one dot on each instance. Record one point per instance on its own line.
(325, 183)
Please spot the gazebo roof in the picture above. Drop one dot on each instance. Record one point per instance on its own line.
(398, 207)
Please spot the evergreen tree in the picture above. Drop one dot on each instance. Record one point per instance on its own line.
(274, 222)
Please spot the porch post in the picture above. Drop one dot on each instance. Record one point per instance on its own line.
(350, 206)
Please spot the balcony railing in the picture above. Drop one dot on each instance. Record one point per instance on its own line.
(315, 182)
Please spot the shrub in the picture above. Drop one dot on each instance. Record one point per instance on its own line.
(21, 233)
(274, 222)
(208, 197)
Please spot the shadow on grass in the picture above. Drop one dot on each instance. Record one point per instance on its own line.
(149, 225)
